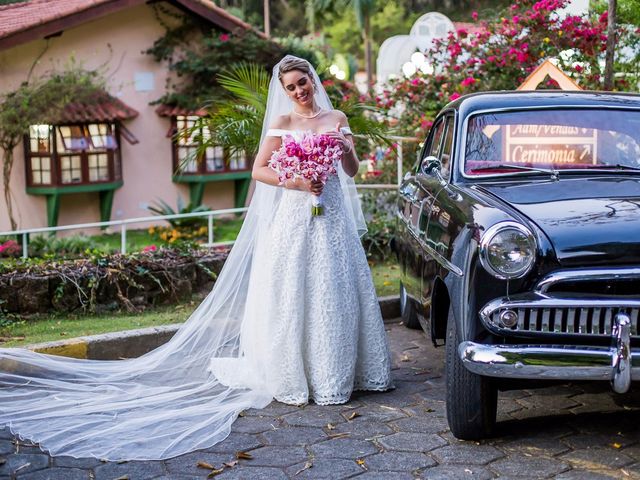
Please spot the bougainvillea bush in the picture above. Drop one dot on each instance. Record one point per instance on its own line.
(499, 55)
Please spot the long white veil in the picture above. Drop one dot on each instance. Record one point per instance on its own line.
(166, 402)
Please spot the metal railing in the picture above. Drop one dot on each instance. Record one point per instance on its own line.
(24, 233)
(123, 227)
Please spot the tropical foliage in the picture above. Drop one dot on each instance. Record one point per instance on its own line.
(163, 208)
(236, 122)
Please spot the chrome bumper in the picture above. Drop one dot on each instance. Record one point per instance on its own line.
(617, 364)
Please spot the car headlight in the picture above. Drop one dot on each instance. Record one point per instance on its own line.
(508, 250)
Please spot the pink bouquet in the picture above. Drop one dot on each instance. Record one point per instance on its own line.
(313, 157)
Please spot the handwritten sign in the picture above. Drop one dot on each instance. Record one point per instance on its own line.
(550, 144)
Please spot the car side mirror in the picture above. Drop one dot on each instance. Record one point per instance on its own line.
(431, 165)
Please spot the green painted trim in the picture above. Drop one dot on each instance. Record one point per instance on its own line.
(53, 209)
(106, 202)
(241, 191)
(216, 177)
(196, 192)
(57, 190)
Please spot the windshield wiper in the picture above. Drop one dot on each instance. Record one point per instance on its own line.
(554, 173)
(618, 166)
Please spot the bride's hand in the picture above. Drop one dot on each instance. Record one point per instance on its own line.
(337, 134)
(313, 186)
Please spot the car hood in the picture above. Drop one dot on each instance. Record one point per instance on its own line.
(593, 221)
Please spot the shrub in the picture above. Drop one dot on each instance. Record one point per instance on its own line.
(163, 208)
(379, 212)
(64, 247)
(10, 248)
(500, 54)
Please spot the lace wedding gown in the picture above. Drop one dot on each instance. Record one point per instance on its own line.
(325, 335)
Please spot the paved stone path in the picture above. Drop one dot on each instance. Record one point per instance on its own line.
(567, 432)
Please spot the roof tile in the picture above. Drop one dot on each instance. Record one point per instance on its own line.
(101, 108)
(16, 17)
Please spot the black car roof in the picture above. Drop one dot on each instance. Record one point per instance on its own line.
(541, 98)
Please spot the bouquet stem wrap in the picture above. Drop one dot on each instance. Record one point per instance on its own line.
(317, 205)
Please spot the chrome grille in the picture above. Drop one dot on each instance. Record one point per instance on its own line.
(586, 320)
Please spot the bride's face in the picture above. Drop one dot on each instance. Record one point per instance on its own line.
(299, 87)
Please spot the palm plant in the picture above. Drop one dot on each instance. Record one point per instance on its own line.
(236, 123)
(163, 208)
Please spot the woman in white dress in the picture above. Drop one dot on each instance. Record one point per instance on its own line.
(293, 316)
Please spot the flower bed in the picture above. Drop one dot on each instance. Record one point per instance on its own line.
(101, 283)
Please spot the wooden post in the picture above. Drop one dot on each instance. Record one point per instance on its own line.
(267, 19)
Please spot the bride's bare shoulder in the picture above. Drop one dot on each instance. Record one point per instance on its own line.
(339, 116)
(281, 122)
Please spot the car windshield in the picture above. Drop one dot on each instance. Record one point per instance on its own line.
(540, 141)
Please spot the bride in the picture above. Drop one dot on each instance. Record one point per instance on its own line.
(293, 317)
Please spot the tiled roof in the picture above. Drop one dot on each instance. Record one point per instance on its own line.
(173, 111)
(24, 21)
(101, 108)
(16, 17)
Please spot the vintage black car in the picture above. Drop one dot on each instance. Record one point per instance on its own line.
(519, 243)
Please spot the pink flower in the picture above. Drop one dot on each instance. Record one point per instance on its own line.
(224, 37)
(454, 95)
(474, 15)
(468, 81)
(149, 248)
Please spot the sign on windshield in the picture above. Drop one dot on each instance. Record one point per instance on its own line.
(550, 144)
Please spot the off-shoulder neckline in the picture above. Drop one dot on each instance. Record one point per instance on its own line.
(343, 129)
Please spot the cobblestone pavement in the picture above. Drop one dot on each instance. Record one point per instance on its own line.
(566, 432)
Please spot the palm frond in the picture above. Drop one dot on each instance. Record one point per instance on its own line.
(364, 120)
(248, 82)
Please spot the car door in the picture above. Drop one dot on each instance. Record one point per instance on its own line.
(416, 197)
(431, 185)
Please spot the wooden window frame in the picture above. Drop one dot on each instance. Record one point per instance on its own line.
(114, 156)
(201, 161)
(49, 154)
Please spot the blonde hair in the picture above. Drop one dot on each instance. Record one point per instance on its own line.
(290, 64)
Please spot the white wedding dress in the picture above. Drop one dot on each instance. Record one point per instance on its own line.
(325, 332)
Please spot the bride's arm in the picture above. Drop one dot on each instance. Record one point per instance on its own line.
(350, 161)
(261, 170)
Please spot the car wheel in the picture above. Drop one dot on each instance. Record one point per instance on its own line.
(408, 310)
(472, 400)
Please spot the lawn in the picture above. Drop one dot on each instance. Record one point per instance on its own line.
(224, 230)
(385, 277)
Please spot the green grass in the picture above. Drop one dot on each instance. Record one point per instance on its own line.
(386, 276)
(59, 328)
(224, 230)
